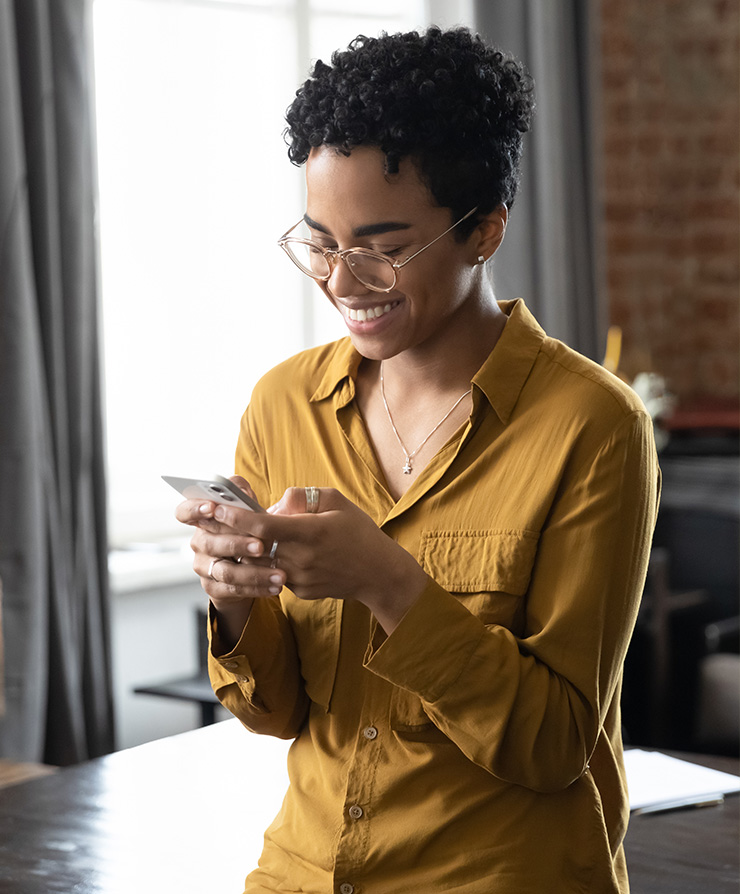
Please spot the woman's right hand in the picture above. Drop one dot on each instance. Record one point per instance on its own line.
(233, 567)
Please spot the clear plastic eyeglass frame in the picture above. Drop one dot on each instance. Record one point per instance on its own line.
(357, 260)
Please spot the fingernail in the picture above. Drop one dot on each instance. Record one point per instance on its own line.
(219, 513)
(205, 509)
(276, 579)
(273, 591)
(254, 548)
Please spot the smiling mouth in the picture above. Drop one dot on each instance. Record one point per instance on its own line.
(362, 314)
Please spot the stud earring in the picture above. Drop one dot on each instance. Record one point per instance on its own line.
(481, 259)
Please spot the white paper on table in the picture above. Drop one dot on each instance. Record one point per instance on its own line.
(658, 781)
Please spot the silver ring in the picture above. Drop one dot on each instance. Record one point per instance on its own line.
(210, 568)
(312, 499)
(273, 554)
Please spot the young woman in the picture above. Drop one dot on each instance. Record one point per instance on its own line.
(438, 605)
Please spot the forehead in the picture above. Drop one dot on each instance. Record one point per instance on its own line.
(356, 188)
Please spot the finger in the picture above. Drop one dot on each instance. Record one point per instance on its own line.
(288, 522)
(308, 500)
(292, 502)
(224, 578)
(210, 524)
(244, 485)
(241, 520)
(193, 512)
(200, 514)
(226, 544)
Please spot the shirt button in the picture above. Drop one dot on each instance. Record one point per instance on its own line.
(346, 888)
(242, 679)
(230, 665)
(370, 732)
(355, 811)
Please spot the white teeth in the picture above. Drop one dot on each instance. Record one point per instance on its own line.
(371, 313)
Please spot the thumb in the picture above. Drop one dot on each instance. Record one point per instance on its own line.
(297, 500)
(292, 502)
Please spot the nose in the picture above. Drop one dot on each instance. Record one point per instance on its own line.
(342, 282)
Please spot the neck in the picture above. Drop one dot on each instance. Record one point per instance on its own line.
(448, 366)
(410, 452)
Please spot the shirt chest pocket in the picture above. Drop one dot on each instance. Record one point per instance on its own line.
(316, 626)
(487, 571)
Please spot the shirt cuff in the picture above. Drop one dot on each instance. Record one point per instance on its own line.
(430, 647)
(234, 665)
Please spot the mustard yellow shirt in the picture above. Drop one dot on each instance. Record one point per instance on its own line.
(477, 749)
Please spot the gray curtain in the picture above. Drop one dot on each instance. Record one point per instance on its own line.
(52, 505)
(552, 255)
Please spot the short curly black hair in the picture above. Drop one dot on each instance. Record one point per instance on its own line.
(454, 105)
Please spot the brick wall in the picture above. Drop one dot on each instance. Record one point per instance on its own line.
(671, 117)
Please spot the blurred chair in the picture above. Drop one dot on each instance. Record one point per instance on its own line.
(718, 701)
(664, 606)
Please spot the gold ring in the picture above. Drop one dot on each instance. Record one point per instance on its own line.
(312, 499)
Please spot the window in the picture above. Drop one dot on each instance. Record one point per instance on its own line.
(195, 188)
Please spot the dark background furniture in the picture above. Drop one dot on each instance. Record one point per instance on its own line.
(683, 668)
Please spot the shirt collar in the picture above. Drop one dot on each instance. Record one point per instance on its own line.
(501, 378)
(343, 365)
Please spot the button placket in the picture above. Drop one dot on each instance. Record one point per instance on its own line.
(356, 836)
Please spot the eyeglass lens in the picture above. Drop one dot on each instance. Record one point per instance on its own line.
(370, 270)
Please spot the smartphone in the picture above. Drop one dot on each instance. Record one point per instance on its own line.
(217, 490)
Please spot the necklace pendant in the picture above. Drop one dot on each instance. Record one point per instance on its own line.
(407, 465)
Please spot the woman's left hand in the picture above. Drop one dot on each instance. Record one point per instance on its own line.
(337, 552)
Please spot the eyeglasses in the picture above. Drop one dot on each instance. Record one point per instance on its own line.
(373, 269)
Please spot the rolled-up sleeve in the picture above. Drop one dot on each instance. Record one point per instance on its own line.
(259, 680)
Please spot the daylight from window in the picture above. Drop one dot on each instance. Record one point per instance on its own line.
(195, 188)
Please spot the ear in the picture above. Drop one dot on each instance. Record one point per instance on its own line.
(489, 234)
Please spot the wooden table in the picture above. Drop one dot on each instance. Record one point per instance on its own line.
(186, 815)
(691, 851)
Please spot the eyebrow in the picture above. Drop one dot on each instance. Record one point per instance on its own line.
(386, 226)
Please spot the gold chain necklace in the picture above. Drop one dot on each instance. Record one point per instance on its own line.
(409, 456)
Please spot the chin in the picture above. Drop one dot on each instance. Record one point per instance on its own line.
(370, 351)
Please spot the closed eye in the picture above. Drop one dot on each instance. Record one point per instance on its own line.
(389, 252)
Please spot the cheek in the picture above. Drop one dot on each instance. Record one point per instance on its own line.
(446, 287)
